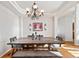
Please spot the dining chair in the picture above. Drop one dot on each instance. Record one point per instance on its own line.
(29, 35)
(15, 38)
(40, 46)
(59, 38)
(11, 39)
(58, 41)
(12, 46)
(29, 46)
(15, 47)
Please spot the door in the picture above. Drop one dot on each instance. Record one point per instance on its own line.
(73, 31)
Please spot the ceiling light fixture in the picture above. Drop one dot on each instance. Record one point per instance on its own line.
(34, 13)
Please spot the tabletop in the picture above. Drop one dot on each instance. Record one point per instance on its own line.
(28, 40)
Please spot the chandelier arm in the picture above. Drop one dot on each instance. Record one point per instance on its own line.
(34, 12)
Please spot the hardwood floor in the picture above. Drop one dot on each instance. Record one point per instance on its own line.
(70, 49)
(63, 51)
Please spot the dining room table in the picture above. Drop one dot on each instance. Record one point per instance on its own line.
(43, 40)
(29, 41)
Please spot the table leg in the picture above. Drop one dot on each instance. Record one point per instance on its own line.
(49, 47)
(60, 44)
(12, 50)
(33, 47)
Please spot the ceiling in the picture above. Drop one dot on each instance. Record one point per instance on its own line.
(47, 6)
(50, 7)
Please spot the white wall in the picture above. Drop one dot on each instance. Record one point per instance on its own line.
(56, 31)
(77, 25)
(8, 28)
(65, 26)
(46, 19)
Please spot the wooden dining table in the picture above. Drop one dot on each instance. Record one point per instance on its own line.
(29, 40)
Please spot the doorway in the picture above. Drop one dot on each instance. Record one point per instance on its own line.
(73, 31)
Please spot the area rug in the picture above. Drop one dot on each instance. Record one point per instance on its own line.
(37, 54)
(56, 49)
(57, 53)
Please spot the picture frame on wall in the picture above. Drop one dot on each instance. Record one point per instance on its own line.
(37, 26)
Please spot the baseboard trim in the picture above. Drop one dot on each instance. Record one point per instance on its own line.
(71, 42)
(5, 53)
(76, 45)
(68, 41)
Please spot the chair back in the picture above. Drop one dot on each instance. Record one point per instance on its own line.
(59, 38)
(13, 39)
(29, 35)
(39, 36)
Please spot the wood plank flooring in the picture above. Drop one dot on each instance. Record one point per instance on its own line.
(63, 51)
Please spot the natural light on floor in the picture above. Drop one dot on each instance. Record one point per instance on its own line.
(73, 51)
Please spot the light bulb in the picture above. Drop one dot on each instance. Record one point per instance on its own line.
(27, 9)
(42, 11)
(35, 6)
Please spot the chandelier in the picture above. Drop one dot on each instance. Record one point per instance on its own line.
(34, 13)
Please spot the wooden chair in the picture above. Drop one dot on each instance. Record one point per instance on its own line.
(59, 38)
(15, 47)
(30, 46)
(29, 35)
(40, 46)
(15, 38)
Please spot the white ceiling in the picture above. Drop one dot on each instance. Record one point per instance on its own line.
(47, 6)
(51, 7)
